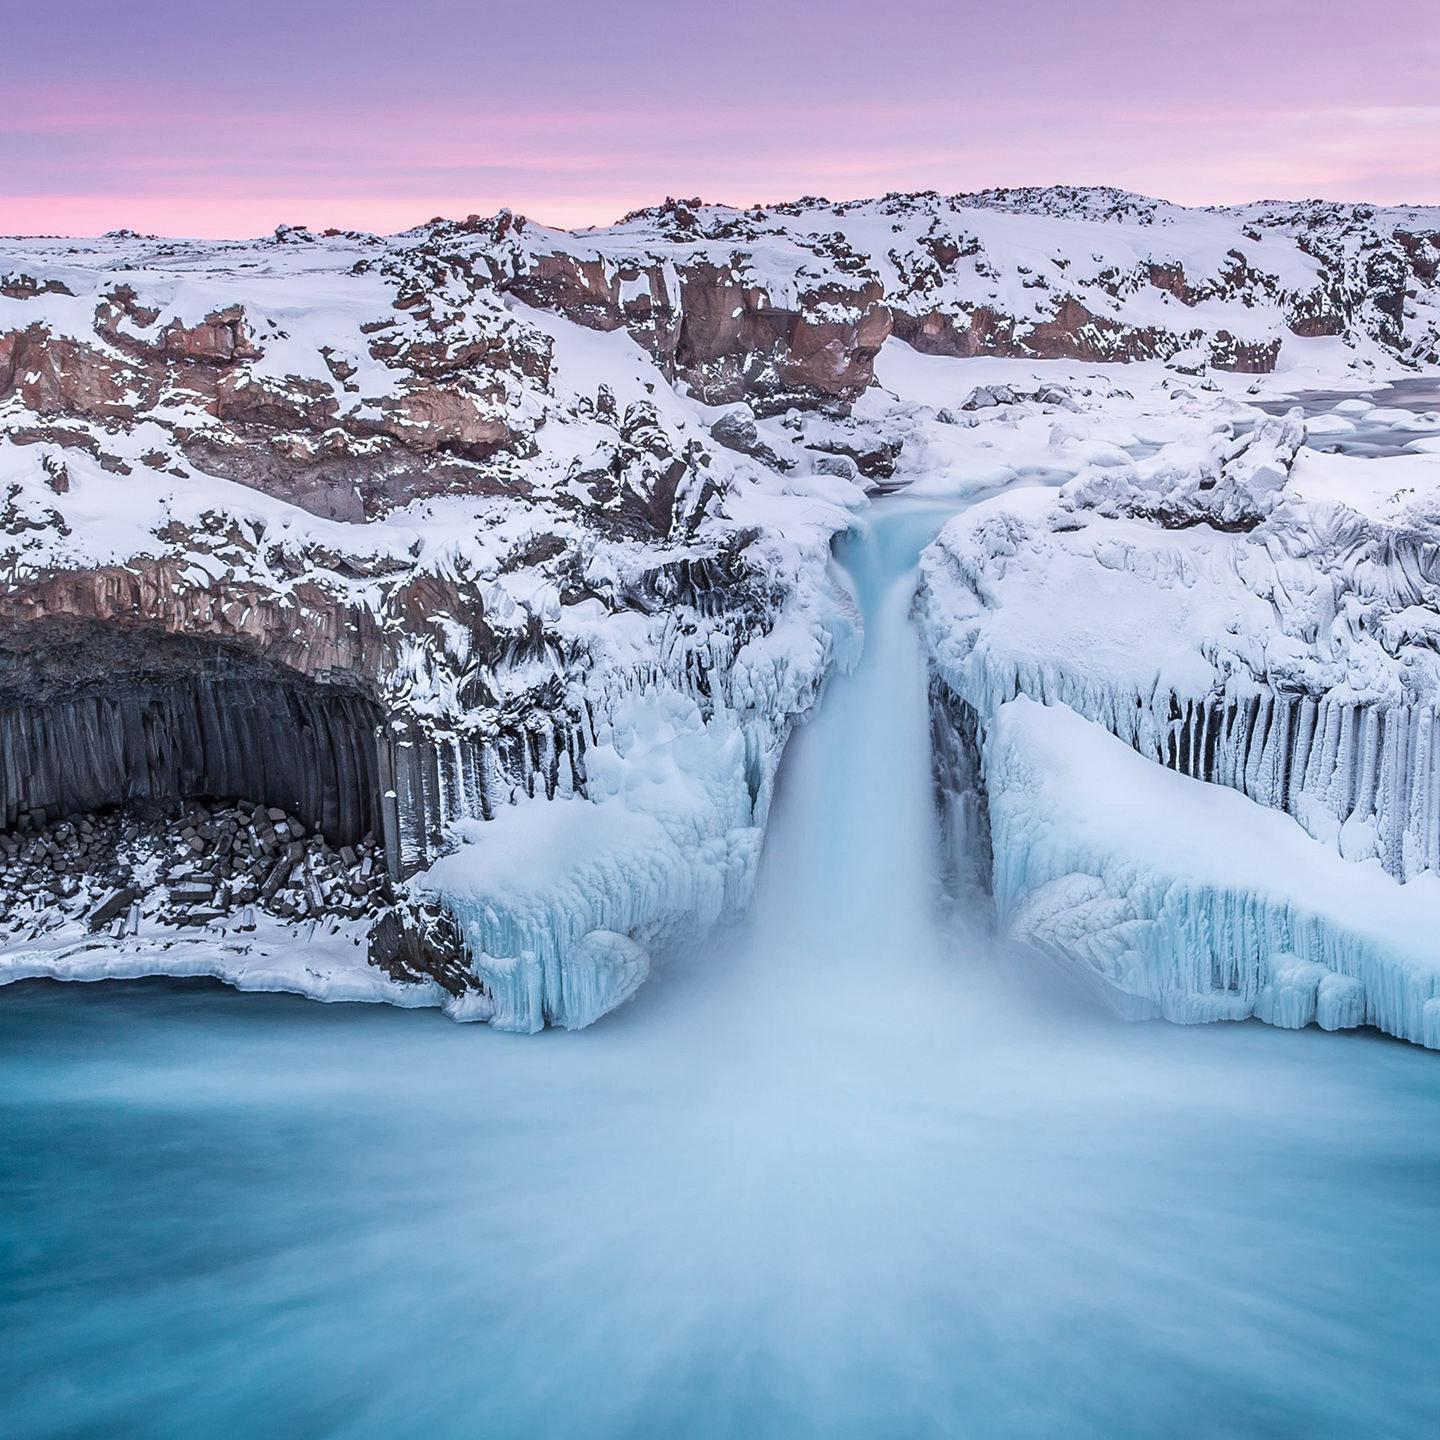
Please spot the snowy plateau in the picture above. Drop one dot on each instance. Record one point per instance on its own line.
(423, 618)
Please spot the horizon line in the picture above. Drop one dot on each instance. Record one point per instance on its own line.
(327, 231)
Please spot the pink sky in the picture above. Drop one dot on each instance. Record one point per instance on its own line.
(196, 117)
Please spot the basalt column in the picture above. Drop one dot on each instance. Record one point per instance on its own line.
(93, 716)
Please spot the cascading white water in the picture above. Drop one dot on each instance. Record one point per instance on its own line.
(849, 878)
(824, 1176)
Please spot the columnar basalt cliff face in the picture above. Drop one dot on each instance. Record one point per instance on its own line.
(454, 510)
(96, 716)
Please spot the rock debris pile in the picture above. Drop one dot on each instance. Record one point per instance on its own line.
(198, 865)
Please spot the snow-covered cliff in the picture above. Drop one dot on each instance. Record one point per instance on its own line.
(1247, 599)
(348, 466)
(1245, 610)
(545, 518)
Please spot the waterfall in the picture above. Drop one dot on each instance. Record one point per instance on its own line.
(824, 1176)
(850, 875)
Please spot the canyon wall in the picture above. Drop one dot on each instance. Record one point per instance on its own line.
(438, 506)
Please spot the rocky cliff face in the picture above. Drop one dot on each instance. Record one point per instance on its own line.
(448, 499)
(792, 301)
(342, 526)
(350, 374)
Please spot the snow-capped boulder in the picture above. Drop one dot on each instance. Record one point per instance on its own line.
(1234, 487)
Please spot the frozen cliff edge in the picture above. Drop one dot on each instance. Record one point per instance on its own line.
(1241, 608)
(1184, 900)
(561, 902)
(1229, 604)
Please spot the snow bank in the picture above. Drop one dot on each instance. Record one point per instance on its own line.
(321, 963)
(1185, 900)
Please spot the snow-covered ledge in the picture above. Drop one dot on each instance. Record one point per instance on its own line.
(1180, 899)
(1242, 609)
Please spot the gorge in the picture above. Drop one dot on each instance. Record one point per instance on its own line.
(424, 618)
(805, 679)
(847, 1169)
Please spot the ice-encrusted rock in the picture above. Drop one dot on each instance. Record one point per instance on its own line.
(559, 903)
(1177, 899)
(1242, 609)
(1233, 488)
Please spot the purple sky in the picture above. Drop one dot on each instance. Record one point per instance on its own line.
(216, 117)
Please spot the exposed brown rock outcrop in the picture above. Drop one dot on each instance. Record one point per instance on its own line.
(51, 374)
(721, 334)
(221, 338)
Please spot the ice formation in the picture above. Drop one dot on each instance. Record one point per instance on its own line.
(1177, 898)
(559, 902)
(1241, 604)
(1244, 610)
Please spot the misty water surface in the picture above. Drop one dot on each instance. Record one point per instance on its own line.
(834, 1174)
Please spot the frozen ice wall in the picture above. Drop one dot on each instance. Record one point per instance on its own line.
(1281, 643)
(561, 901)
(1176, 898)
(1239, 607)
